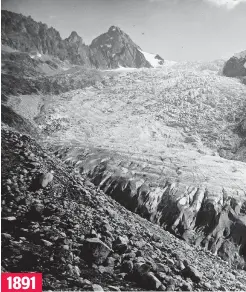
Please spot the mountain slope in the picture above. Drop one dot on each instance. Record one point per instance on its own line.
(27, 74)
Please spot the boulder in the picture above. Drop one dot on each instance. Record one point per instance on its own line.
(120, 248)
(45, 179)
(191, 272)
(127, 266)
(141, 268)
(121, 240)
(46, 242)
(95, 251)
(97, 287)
(113, 288)
(151, 281)
(162, 268)
(110, 261)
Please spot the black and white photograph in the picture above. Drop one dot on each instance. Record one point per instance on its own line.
(123, 145)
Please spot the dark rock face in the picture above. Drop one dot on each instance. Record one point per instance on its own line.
(109, 50)
(241, 131)
(78, 52)
(161, 60)
(114, 49)
(26, 35)
(241, 128)
(191, 272)
(235, 66)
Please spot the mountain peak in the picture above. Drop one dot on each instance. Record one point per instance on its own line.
(115, 49)
(74, 34)
(74, 37)
(114, 29)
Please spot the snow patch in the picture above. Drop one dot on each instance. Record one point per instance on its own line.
(240, 54)
(154, 62)
(120, 68)
(35, 55)
(169, 63)
(183, 201)
(151, 59)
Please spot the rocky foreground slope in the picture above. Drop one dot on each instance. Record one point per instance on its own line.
(110, 50)
(59, 224)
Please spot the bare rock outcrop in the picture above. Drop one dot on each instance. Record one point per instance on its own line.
(26, 35)
(236, 66)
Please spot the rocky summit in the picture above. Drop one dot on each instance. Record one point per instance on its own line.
(115, 48)
(127, 178)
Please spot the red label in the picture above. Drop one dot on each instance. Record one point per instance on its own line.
(21, 282)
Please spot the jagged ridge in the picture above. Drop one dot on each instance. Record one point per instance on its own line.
(110, 50)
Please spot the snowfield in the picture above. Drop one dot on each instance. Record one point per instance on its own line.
(151, 59)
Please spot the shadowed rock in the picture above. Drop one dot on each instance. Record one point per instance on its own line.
(94, 250)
